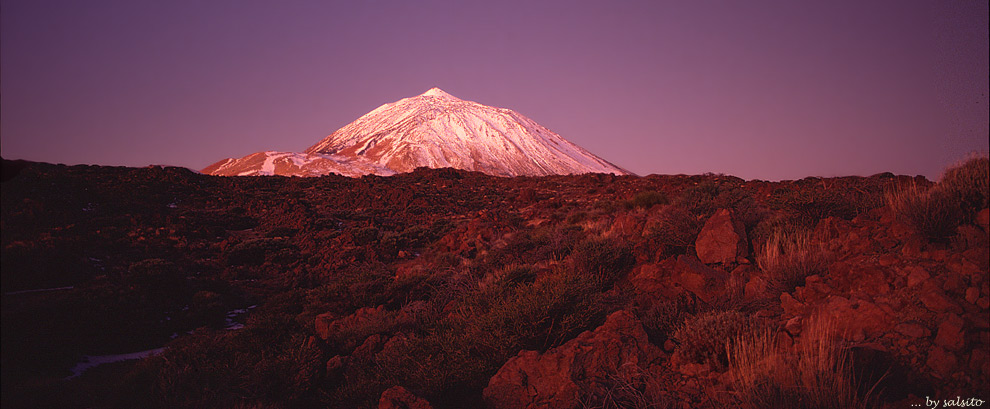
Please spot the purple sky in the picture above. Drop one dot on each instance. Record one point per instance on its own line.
(768, 90)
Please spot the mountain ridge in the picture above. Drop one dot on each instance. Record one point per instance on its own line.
(434, 129)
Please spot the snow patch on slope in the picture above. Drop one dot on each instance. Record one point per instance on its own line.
(433, 129)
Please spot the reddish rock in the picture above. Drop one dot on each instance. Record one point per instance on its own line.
(963, 267)
(933, 297)
(784, 341)
(912, 247)
(394, 344)
(916, 275)
(369, 347)
(793, 326)
(648, 278)
(950, 332)
(953, 284)
(326, 325)
(692, 282)
(983, 219)
(871, 279)
(626, 225)
(790, 305)
(696, 277)
(979, 362)
(941, 361)
(322, 324)
(559, 377)
(856, 320)
(722, 239)
(335, 367)
(398, 397)
(473, 235)
(912, 329)
(412, 268)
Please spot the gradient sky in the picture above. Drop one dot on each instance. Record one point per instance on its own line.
(757, 89)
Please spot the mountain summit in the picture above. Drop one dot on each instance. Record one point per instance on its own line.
(435, 130)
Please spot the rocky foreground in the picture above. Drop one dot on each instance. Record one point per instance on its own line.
(452, 289)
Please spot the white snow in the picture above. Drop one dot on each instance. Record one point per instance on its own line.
(435, 129)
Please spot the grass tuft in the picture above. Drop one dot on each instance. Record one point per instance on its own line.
(817, 374)
(789, 256)
(936, 212)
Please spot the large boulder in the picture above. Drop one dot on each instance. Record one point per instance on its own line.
(398, 397)
(858, 319)
(698, 278)
(722, 239)
(560, 377)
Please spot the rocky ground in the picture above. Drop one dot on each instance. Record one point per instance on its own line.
(450, 289)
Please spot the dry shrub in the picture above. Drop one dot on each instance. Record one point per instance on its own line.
(703, 338)
(665, 316)
(460, 352)
(969, 182)
(604, 259)
(936, 212)
(674, 230)
(621, 392)
(789, 256)
(646, 199)
(817, 374)
(933, 212)
(506, 278)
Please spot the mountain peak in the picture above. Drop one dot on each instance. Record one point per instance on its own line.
(435, 130)
(438, 93)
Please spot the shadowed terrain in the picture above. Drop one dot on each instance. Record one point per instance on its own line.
(450, 289)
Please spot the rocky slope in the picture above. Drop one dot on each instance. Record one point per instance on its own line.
(448, 289)
(433, 130)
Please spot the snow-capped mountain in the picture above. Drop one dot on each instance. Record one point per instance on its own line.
(436, 130)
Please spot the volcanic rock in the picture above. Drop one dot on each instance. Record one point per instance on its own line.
(559, 377)
(398, 397)
(722, 239)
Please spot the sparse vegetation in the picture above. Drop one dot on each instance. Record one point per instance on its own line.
(704, 337)
(817, 374)
(931, 211)
(969, 184)
(666, 316)
(647, 199)
(935, 212)
(606, 260)
(620, 392)
(435, 279)
(789, 256)
(673, 231)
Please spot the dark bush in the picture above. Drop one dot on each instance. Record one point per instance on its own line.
(256, 251)
(647, 199)
(665, 316)
(812, 201)
(704, 337)
(937, 211)
(933, 212)
(365, 235)
(673, 231)
(969, 184)
(604, 259)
